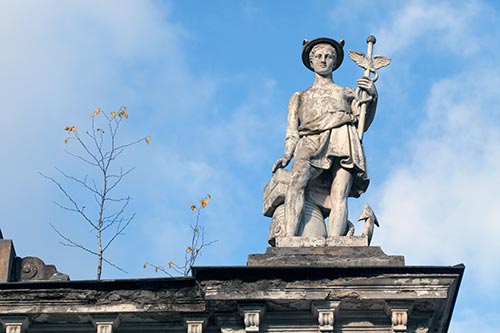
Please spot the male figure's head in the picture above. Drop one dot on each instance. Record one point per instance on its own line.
(330, 50)
(322, 58)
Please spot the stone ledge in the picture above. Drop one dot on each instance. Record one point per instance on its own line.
(331, 256)
(321, 241)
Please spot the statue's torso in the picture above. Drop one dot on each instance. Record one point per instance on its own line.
(322, 105)
(317, 101)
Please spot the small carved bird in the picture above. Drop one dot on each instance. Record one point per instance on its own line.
(370, 219)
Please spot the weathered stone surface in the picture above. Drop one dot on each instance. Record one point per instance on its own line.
(361, 295)
(34, 269)
(325, 126)
(14, 268)
(134, 296)
(274, 191)
(15, 324)
(7, 256)
(336, 256)
(240, 299)
(321, 241)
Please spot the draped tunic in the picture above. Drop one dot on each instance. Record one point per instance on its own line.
(321, 130)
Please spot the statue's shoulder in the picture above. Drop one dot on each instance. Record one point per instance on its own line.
(296, 97)
(305, 93)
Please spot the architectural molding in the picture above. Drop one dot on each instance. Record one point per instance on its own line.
(399, 311)
(252, 315)
(195, 325)
(105, 324)
(325, 313)
(15, 324)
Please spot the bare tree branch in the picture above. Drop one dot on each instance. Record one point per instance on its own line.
(75, 204)
(100, 151)
(118, 232)
(81, 158)
(194, 250)
(120, 177)
(79, 181)
(84, 146)
(71, 243)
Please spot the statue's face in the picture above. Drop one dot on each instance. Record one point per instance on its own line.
(322, 58)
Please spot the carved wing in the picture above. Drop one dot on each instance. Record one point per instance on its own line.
(380, 61)
(359, 58)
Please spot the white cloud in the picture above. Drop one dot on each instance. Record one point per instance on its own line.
(438, 205)
(59, 61)
(440, 26)
(441, 207)
(68, 59)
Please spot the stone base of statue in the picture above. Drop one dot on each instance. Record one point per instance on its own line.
(300, 241)
(332, 256)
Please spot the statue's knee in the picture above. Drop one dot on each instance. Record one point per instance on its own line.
(300, 170)
(298, 180)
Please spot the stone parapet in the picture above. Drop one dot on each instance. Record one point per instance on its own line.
(242, 300)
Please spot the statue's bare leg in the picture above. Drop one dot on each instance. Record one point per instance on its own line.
(302, 173)
(341, 186)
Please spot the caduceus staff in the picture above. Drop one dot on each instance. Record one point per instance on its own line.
(370, 65)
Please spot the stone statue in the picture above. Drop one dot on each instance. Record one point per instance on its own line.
(324, 137)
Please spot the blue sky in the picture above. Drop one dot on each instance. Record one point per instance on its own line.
(210, 82)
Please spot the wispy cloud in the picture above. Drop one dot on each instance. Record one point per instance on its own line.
(436, 26)
(452, 164)
(61, 61)
(438, 202)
